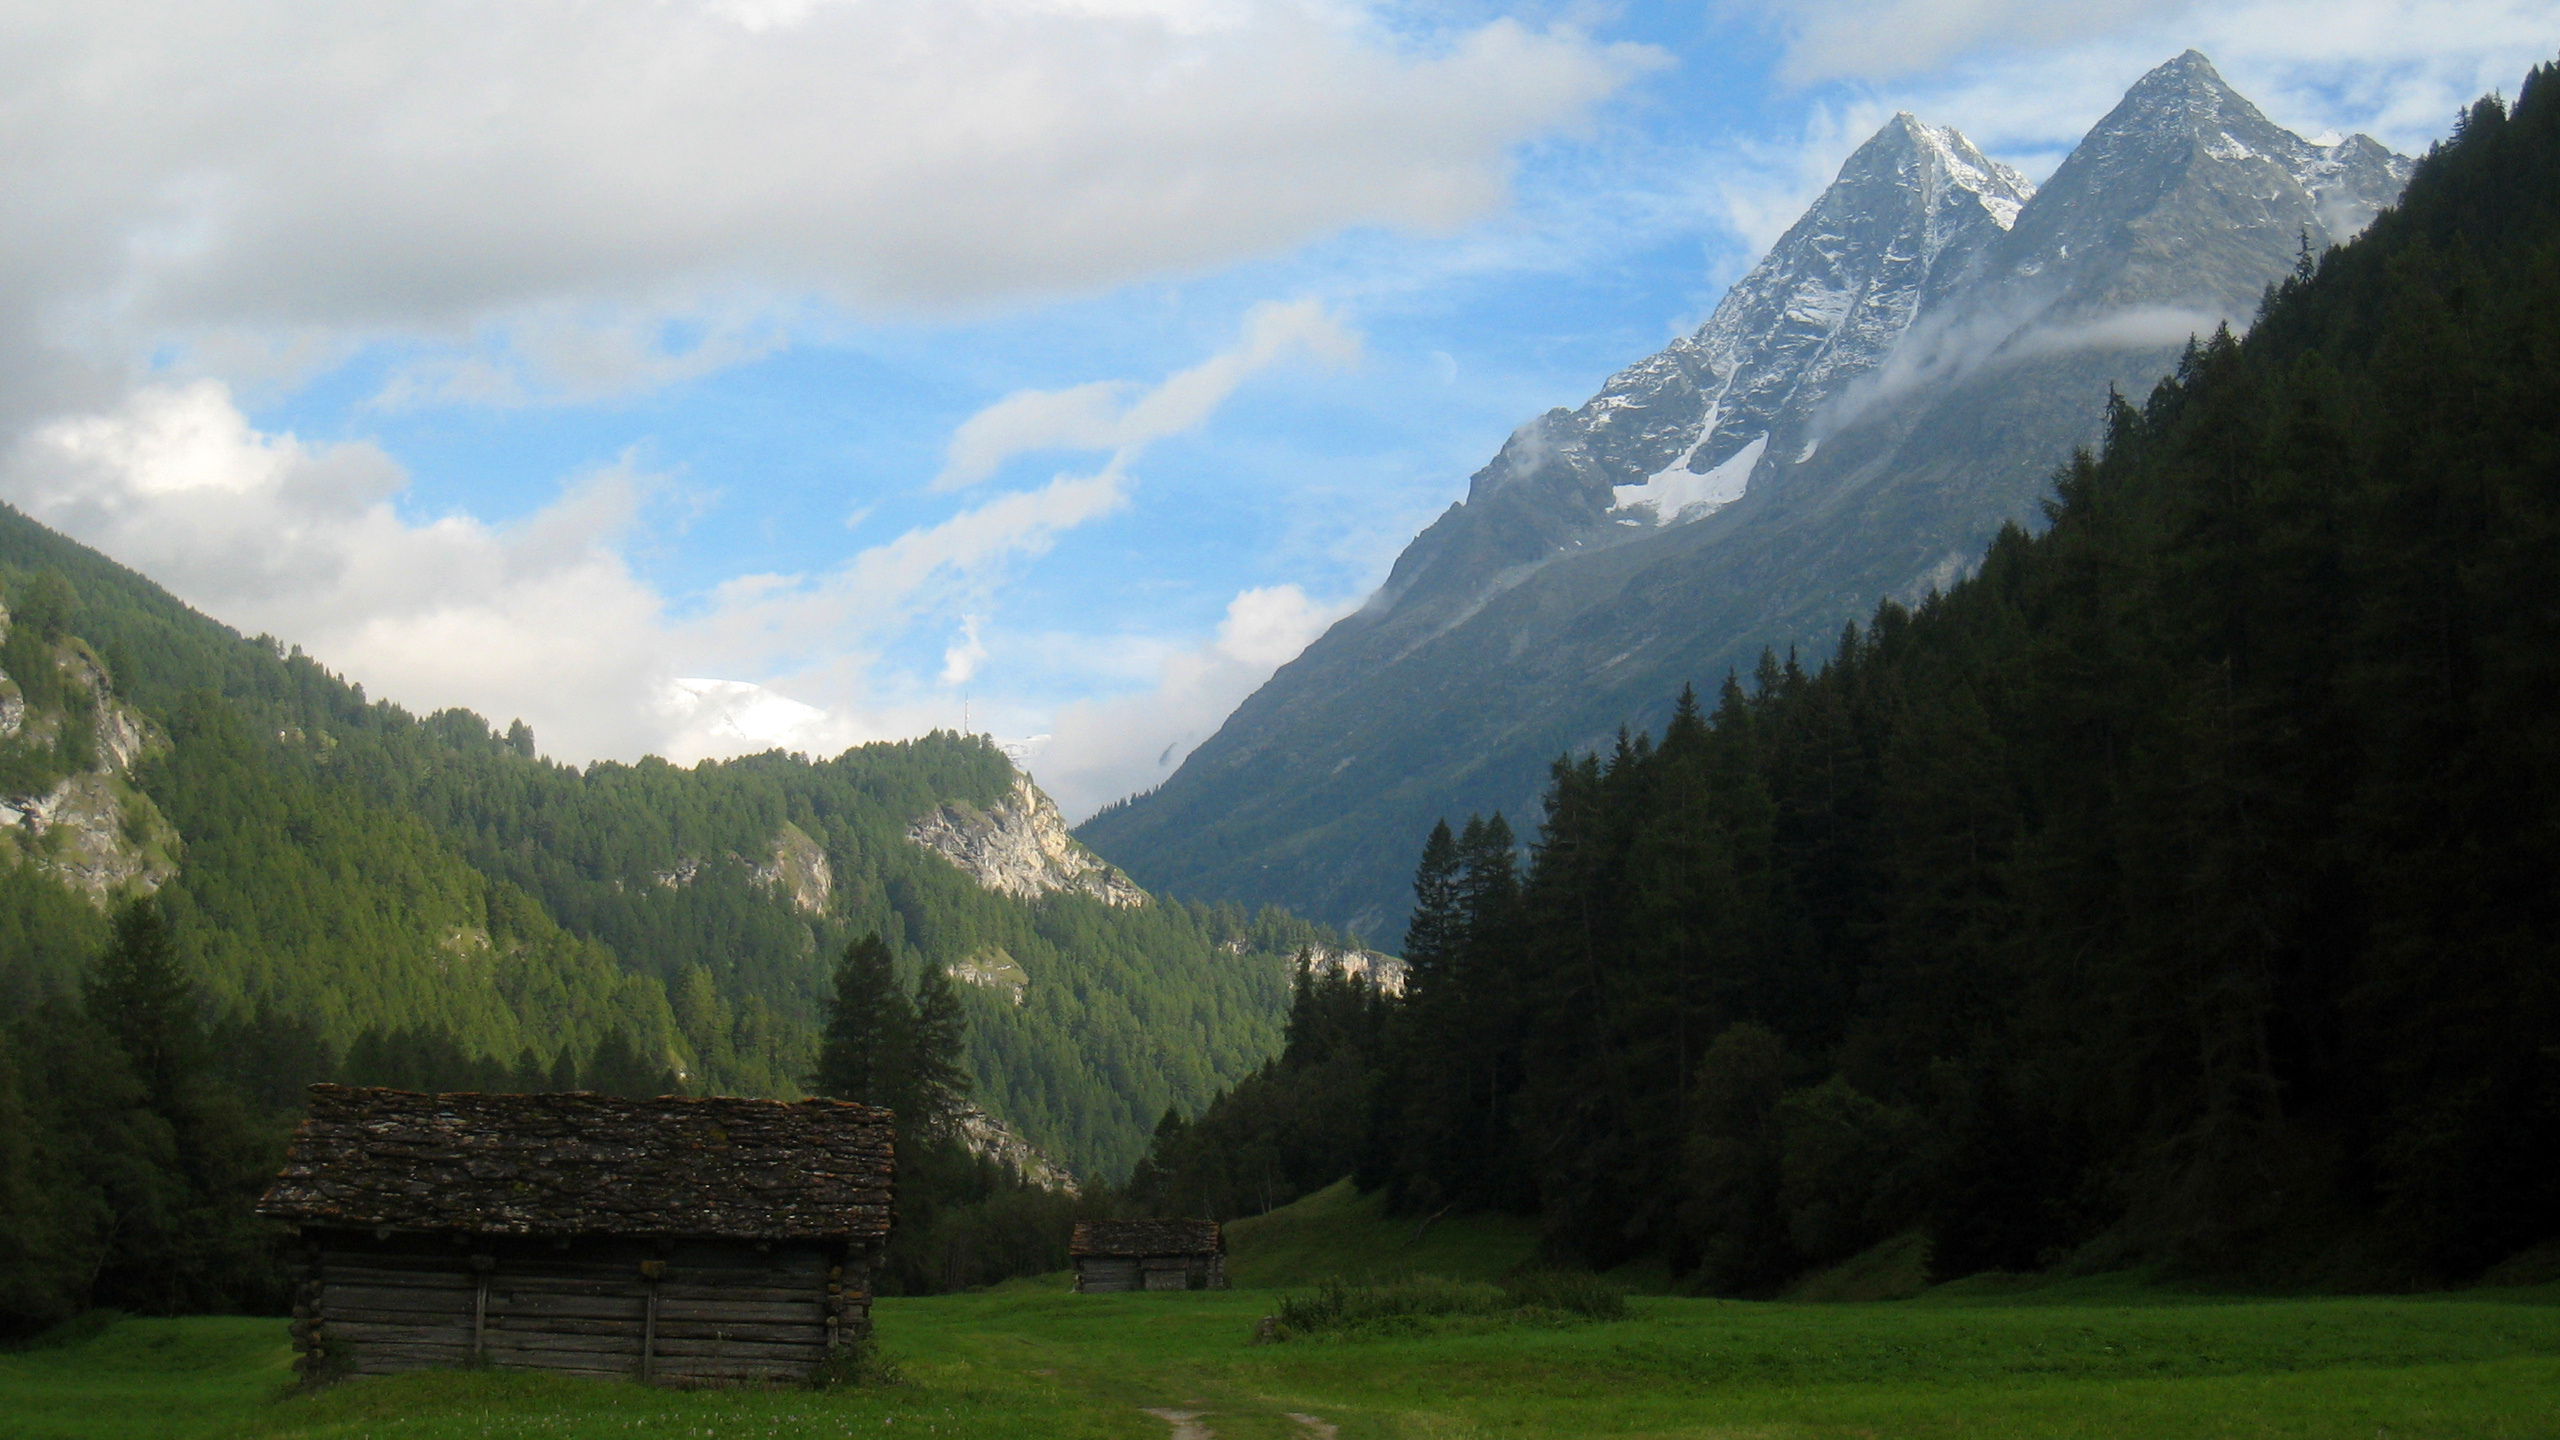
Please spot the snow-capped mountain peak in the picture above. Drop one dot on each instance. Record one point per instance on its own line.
(1910, 211)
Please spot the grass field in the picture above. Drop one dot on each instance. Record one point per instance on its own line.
(2106, 1357)
(2099, 1359)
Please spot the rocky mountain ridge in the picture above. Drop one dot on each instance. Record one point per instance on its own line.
(1895, 381)
(92, 829)
(1021, 846)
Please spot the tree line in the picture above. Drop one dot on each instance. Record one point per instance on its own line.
(2176, 888)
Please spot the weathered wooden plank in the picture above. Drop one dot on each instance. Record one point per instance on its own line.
(367, 1330)
(563, 1325)
(552, 1282)
(792, 1274)
(452, 1276)
(566, 1364)
(394, 1297)
(335, 1316)
(740, 1350)
(408, 1349)
(714, 1310)
(559, 1341)
(683, 1291)
(737, 1330)
(593, 1307)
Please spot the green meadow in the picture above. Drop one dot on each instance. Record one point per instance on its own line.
(2106, 1356)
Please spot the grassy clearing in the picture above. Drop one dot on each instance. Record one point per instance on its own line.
(1337, 1232)
(2093, 1359)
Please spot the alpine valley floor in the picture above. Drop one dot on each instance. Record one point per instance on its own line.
(2103, 1357)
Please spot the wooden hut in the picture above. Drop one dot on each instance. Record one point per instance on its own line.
(670, 1240)
(1148, 1255)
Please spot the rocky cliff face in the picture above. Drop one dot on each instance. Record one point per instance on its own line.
(1895, 381)
(988, 1139)
(1384, 971)
(93, 829)
(797, 870)
(1021, 847)
(991, 967)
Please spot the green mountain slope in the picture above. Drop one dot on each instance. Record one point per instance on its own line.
(338, 861)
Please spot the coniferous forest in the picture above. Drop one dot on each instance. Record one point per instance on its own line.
(2182, 887)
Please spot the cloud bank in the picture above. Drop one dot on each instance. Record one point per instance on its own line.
(540, 181)
(1101, 750)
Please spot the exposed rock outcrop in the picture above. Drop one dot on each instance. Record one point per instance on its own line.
(987, 1138)
(1384, 971)
(797, 869)
(92, 830)
(1020, 847)
(991, 967)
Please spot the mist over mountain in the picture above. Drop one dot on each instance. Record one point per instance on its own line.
(1895, 380)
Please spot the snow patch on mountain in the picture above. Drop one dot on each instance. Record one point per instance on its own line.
(1679, 493)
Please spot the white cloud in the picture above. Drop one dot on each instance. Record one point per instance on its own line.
(713, 718)
(1100, 750)
(960, 662)
(540, 620)
(543, 619)
(479, 174)
(1872, 39)
(1105, 415)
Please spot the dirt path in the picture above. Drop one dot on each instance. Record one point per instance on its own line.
(1186, 1424)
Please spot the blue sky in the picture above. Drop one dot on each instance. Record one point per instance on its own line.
(604, 365)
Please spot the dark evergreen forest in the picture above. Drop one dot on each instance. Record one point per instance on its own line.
(2183, 887)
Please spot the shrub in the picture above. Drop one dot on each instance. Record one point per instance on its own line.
(1423, 1303)
(1566, 1292)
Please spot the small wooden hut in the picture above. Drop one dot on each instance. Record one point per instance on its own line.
(670, 1240)
(1114, 1255)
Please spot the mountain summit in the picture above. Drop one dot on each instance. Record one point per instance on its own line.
(1895, 380)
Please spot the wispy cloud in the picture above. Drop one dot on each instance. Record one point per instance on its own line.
(1123, 417)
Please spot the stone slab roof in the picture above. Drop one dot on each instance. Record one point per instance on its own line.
(1147, 1237)
(588, 1165)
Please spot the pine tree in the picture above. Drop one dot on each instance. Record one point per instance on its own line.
(937, 1082)
(864, 1051)
(138, 994)
(1432, 935)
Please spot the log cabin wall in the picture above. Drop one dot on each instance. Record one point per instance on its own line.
(1110, 1274)
(677, 1240)
(669, 1313)
(1117, 1255)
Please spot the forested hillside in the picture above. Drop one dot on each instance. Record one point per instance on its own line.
(426, 901)
(2180, 887)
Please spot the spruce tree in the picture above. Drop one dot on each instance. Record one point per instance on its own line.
(937, 1080)
(139, 996)
(1431, 936)
(864, 1051)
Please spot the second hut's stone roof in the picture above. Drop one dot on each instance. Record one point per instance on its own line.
(578, 1164)
(1147, 1237)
